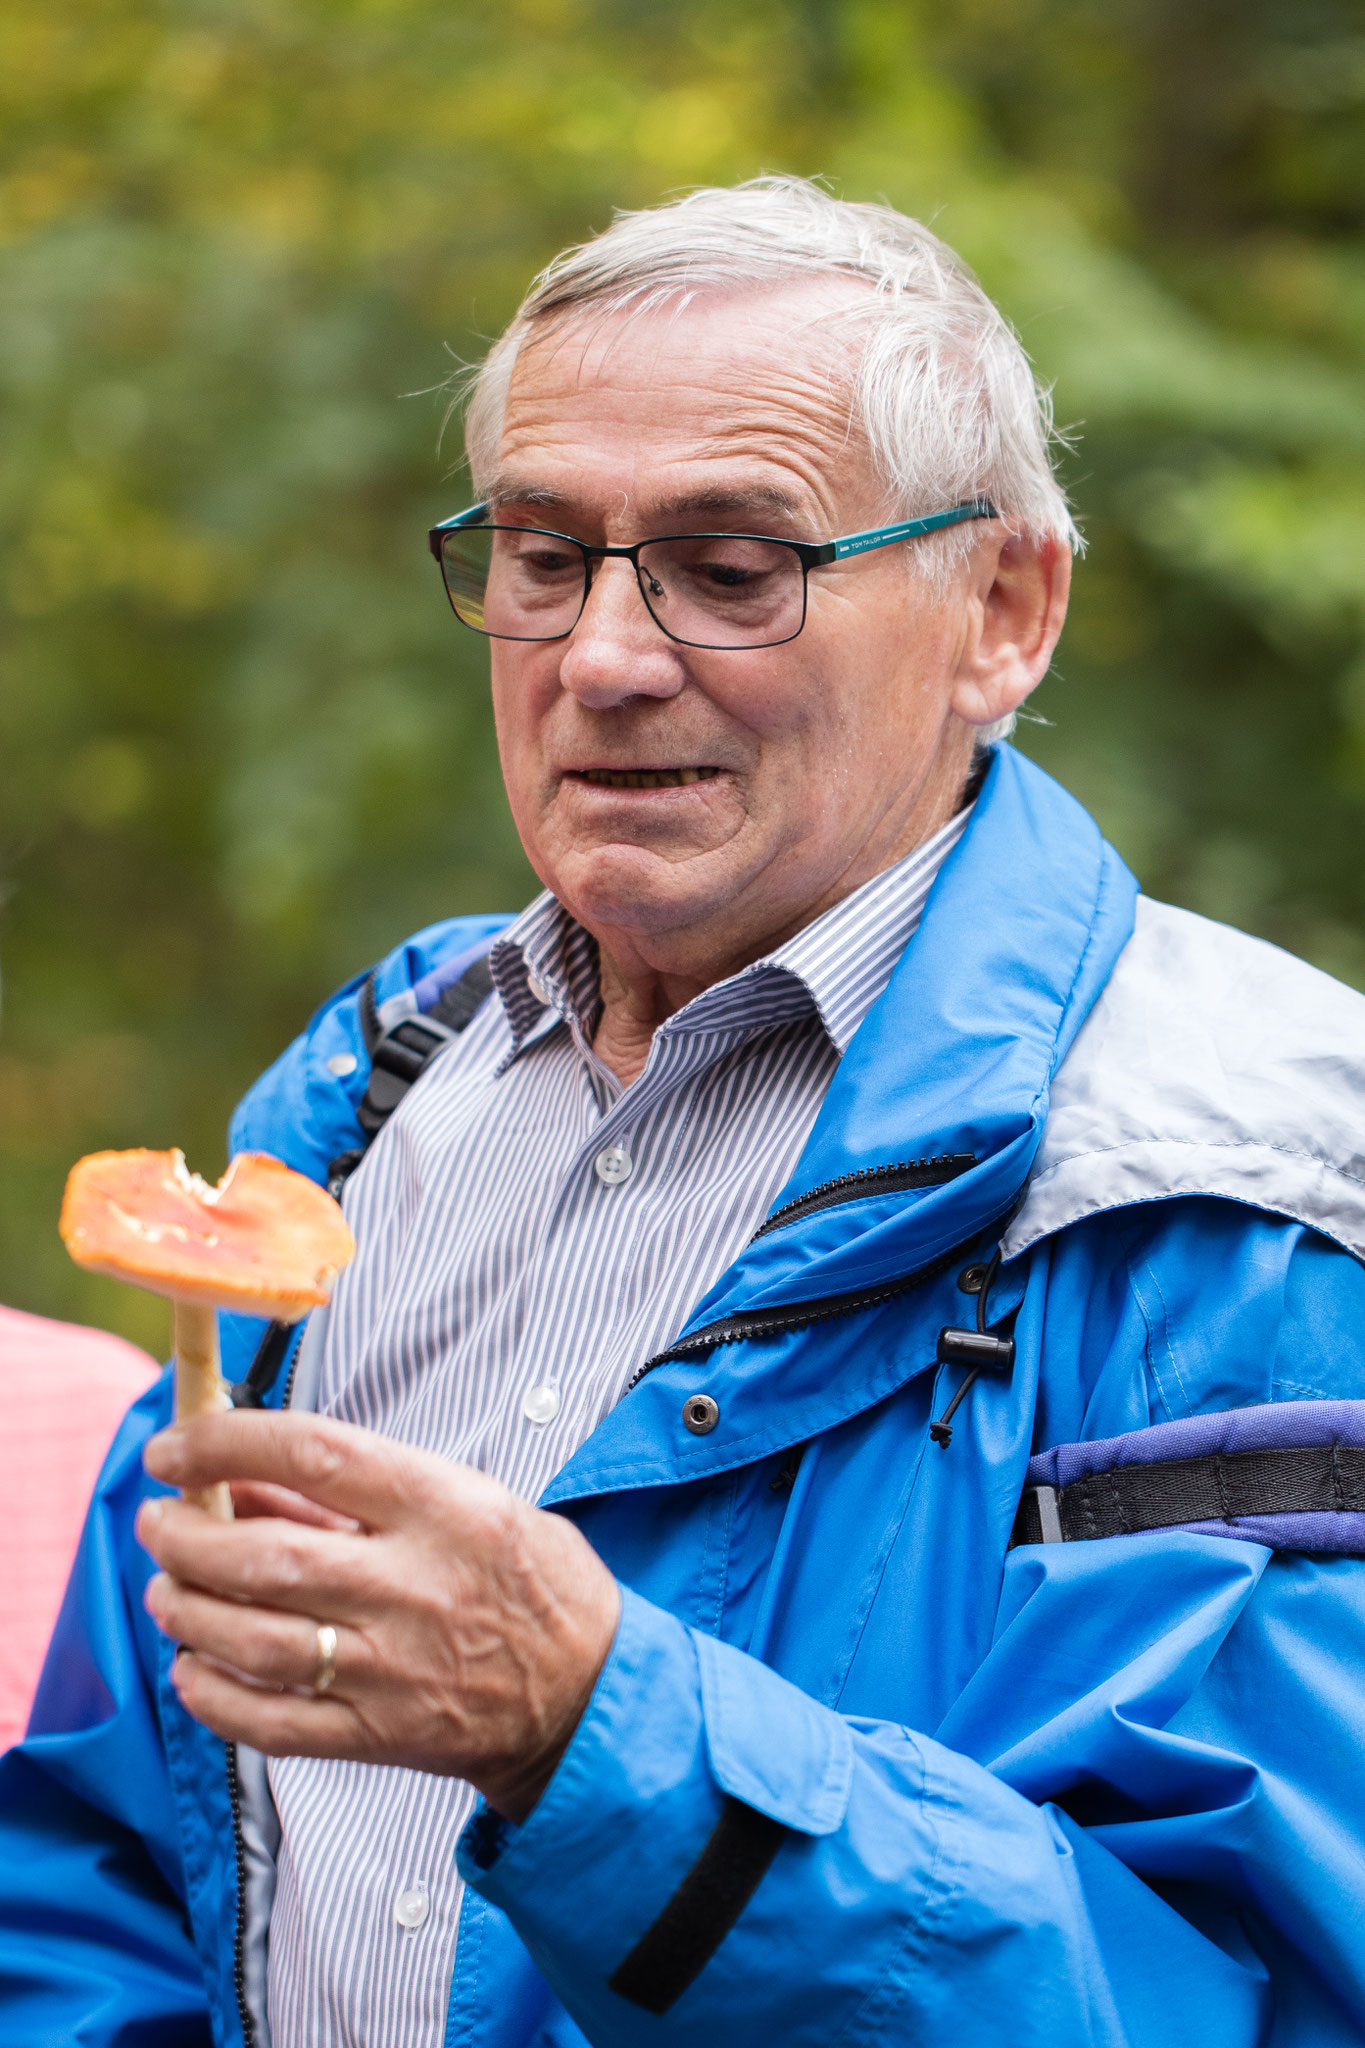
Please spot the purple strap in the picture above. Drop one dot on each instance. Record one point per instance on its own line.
(1271, 1426)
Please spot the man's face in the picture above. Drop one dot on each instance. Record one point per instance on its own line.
(815, 755)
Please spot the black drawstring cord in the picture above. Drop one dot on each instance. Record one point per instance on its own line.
(976, 1348)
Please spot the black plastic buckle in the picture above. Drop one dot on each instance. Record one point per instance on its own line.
(407, 1045)
(1040, 1511)
(401, 1055)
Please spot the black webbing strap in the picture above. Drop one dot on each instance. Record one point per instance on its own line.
(264, 1369)
(402, 1054)
(398, 1057)
(455, 1006)
(1317, 1479)
(701, 1912)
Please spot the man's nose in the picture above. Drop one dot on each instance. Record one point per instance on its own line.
(616, 650)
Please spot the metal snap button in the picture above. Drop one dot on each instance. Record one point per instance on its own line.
(613, 1165)
(700, 1414)
(341, 1064)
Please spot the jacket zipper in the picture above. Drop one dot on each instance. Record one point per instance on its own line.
(868, 1181)
(799, 1315)
(287, 1396)
(235, 1804)
(239, 1932)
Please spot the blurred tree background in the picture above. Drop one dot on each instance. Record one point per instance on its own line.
(244, 747)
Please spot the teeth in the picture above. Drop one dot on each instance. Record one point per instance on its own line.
(648, 778)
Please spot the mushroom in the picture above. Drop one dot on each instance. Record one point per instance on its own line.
(265, 1242)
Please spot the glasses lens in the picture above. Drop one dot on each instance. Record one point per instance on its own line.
(724, 590)
(513, 582)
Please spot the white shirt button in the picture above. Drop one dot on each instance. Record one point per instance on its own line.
(613, 1165)
(342, 1063)
(537, 988)
(412, 1906)
(541, 1404)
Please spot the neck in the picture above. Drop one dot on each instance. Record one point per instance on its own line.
(640, 993)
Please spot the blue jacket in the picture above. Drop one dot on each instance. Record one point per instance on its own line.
(1096, 1792)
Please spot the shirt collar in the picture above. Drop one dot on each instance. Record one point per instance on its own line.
(545, 965)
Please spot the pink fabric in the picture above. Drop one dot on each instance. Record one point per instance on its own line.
(63, 1390)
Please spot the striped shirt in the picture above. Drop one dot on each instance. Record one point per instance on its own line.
(529, 1233)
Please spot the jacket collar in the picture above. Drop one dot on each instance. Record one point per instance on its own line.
(1023, 927)
(1021, 932)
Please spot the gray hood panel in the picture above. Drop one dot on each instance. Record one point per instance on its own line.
(1212, 1064)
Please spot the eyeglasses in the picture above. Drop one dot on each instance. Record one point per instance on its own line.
(702, 589)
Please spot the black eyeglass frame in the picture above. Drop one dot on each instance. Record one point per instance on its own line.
(810, 554)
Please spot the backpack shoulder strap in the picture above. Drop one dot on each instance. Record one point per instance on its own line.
(399, 1055)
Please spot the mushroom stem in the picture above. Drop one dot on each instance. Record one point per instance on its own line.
(199, 1390)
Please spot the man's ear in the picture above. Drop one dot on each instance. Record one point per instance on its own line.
(1019, 604)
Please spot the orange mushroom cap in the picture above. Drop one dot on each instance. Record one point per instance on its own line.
(266, 1241)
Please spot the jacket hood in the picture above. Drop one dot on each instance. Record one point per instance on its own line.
(1212, 1064)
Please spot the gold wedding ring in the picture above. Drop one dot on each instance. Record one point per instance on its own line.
(327, 1659)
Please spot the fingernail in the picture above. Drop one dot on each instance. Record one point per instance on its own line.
(164, 1454)
(152, 1511)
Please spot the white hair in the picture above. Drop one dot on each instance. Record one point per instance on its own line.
(939, 384)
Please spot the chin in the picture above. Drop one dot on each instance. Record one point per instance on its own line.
(636, 889)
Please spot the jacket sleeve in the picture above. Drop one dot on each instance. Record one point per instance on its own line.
(910, 1896)
(1139, 1826)
(94, 1935)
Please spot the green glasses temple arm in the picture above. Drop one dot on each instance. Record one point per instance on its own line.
(813, 553)
(909, 529)
(472, 517)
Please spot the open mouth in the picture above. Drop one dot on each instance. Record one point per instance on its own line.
(644, 778)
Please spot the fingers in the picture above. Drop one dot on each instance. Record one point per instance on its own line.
(278, 1723)
(348, 1470)
(263, 1644)
(251, 1499)
(264, 1562)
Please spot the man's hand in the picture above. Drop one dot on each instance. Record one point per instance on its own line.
(470, 1626)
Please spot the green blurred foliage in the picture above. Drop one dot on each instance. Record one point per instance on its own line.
(243, 746)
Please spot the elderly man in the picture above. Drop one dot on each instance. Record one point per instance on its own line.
(829, 1504)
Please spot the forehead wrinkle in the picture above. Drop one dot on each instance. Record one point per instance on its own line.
(793, 417)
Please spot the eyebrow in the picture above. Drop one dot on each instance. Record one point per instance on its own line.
(758, 500)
